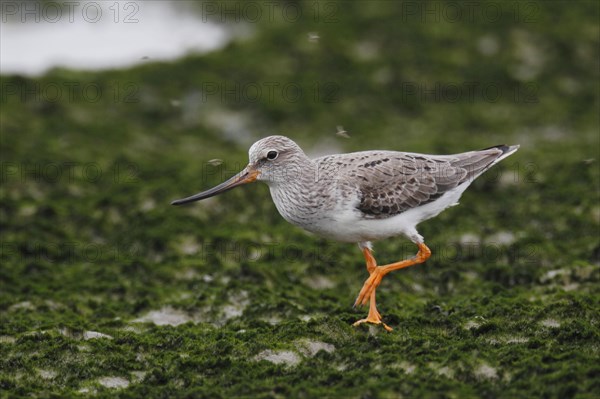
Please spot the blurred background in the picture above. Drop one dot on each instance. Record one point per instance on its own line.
(111, 109)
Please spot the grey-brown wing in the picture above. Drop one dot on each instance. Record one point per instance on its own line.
(390, 183)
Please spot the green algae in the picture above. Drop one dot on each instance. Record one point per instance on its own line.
(506, 307)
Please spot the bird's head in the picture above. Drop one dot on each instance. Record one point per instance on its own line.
(274, 160)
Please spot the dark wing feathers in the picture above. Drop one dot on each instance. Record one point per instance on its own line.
(391, 183)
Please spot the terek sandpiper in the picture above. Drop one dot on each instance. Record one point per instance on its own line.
(361, 197)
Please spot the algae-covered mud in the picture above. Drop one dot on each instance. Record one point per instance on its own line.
(108, 291)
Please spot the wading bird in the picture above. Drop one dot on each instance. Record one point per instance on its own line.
(361, 197)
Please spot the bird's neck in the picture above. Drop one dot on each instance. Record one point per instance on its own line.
(293, 195)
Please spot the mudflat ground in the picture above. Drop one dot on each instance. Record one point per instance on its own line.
(108, 291)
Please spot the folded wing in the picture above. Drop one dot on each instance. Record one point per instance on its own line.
(390, 183)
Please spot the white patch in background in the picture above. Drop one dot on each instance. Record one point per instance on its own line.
(7, 339)
(305, 347)
(488, 45)
(550, 323)
(238, 302)
(122, 34)
(407, 367)
(95, 335)
(139, 375)
(487, 372)
(318, 282)
(165, 316)
(502, 238)
(287, 358)
(47, 374)
(113, 382)
(21, 305)
(311, 348)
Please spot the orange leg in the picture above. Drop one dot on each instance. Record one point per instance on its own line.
(374, 316)
(377, 273)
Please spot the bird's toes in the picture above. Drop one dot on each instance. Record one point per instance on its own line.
(367, 289)
(366, 296)
(360, 299)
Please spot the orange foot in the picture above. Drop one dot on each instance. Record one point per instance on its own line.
(374, 317)
(376, 273)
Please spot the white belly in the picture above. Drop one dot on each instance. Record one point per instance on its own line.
(347, 224)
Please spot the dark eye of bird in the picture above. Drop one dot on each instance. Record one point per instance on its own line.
(271, 155)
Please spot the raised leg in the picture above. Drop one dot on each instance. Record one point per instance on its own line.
(378, 272)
